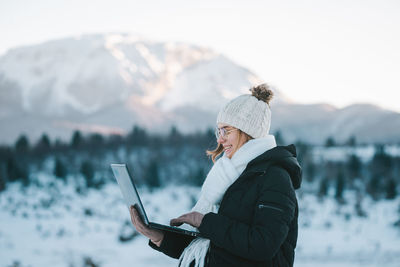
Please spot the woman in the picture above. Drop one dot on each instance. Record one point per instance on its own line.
(247, 210)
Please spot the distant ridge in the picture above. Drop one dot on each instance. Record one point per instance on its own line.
(109, 82)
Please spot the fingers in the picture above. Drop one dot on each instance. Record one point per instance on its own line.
(175, 222)
(134, 215)
(193, 218)
(180, 220)
(156, 236)
(141, 227)
(136, 220)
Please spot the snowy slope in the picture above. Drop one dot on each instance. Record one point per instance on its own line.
(51, 225)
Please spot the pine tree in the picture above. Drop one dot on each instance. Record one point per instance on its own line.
(152, 175)
(95, 144)
(96, 139)
(87, 171)
(340, 184)
(323, 187)
(381, 163)
(374, 186)
(114, 141)
(330, 142)
(279, 138)
(43, 146)
(60, 169)
(45, 141)
(209, 138)
(2, 178)
(310, 170)
(175, 138)
(16, 172)
(137, 137)
(198, 177)
(77, 140)
(352, 141)
(303, 152)
(354, 166)
(22, 145)
(390, 188)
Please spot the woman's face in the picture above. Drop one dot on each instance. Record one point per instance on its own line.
(232, 140)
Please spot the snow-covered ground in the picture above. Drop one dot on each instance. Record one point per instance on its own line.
(49, 224)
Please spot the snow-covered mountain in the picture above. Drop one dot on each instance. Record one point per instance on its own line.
(315, 123)
(109, 82)
(106, 83)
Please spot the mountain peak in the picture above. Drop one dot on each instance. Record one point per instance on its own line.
(77, 78)
(109, 82)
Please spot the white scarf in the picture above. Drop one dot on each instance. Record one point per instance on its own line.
(224, 172)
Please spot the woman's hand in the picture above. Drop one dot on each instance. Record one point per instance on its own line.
(193, 218)
(156, 236)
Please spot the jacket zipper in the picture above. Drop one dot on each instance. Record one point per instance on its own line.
(260, 206)
(259, 172)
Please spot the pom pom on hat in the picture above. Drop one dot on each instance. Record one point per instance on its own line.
(249, 113)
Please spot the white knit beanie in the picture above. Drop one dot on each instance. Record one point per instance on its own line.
(249, 113)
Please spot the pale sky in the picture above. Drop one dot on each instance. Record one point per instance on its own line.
(323, 51)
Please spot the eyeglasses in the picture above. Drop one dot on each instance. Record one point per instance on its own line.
(223, 132)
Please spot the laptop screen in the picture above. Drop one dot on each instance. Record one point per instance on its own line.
(128, 189)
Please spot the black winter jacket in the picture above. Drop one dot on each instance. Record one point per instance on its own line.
(256, 224)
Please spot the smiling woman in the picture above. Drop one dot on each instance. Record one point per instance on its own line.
(247, 210)
(229, 140)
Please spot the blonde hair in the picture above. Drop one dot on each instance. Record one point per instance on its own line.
(213, 154)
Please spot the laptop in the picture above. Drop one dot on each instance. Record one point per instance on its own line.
(132, 198)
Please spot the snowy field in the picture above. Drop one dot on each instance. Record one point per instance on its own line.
(49, 224)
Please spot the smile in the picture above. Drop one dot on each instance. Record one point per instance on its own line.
(227, 148)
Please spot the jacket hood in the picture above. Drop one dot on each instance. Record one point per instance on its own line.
(283, 156)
